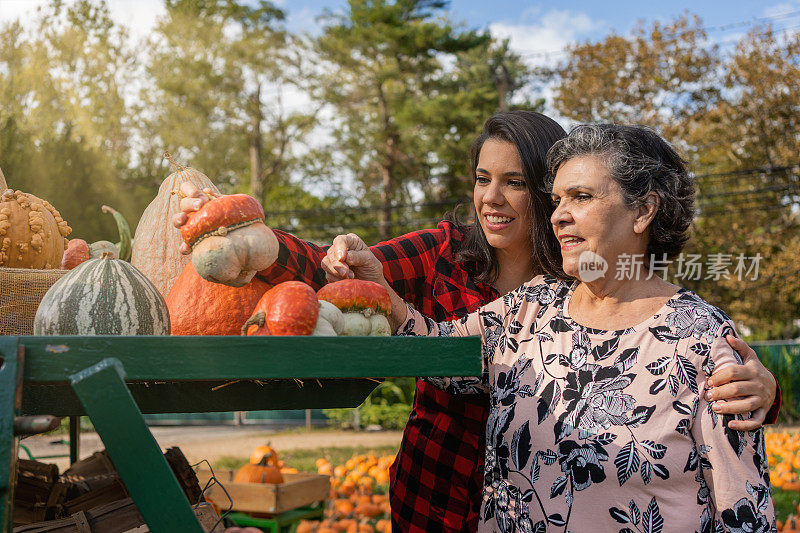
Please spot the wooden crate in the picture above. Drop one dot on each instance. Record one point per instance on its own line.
(296, 491)
(117, 517)
(37, 494)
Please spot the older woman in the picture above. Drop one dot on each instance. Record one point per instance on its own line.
(598, 420)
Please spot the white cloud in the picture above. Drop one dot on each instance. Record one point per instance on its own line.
(24, 10)
(538, 37)
(138, 16)
(780, 9)
(303, 21)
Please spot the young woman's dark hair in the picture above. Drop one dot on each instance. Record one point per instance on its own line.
(533, 134)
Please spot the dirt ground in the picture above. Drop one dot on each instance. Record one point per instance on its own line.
(213, 442)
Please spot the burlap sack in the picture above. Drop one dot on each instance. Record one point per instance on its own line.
(21, 290)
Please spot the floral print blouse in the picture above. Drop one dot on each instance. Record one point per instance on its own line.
(607, 431)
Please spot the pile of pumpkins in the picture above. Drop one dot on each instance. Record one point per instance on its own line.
(783, 455)
(355, 506)
(145, 286)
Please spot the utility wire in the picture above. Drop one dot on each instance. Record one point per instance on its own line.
(744, 23)
(453, 202)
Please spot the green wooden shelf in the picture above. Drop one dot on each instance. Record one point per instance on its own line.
(114, 380)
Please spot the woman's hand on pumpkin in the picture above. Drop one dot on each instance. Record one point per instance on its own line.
(747, 388)
(349, 257)
(192, 199)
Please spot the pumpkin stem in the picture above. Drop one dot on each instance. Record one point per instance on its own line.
(108, 255)
(257, 319)
(124, 244)
(172, 163)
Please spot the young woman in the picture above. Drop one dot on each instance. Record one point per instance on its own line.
(448, 272)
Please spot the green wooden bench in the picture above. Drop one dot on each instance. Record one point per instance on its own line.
(114, 380)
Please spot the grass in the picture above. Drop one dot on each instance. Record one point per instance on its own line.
(785, 502)
(305, 460)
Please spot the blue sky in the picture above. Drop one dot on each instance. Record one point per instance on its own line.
(537, 27)
(620, 14)
(532, 26)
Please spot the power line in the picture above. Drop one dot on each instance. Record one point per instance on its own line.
(453, 202)
(744, 23)
(362, 208)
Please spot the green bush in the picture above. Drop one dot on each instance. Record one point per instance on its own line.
(387, 416)
(388, 406)
(782, 358)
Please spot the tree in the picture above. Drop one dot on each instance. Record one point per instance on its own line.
(381, 69)
(64, 129)
(662, 77)
(748, 141)
(485, 79)
(734, 118)
(217, 68)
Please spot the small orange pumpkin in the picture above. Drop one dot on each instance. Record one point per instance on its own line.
(76, 253)
(263, 472)
(368, 510)
(288, 308)
(264, 451)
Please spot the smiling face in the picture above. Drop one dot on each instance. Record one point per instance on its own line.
(591, 216)
(502, 200)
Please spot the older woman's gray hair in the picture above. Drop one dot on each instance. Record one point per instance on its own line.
(640, 161)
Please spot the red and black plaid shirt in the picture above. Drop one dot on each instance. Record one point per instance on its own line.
(437, 478)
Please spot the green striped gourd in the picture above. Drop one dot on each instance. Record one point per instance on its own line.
(102, 297)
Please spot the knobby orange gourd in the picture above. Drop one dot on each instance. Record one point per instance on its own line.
(289, 308)
(229, 240)
(32, 232)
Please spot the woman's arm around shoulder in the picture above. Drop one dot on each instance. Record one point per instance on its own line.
(733, 464)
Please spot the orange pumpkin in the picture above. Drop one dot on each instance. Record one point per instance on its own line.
(356, 295)
(288, 308)
(200, 307)
(262, 472)
(368, 510)
(306, 526)
(260, 452)
(364, 306)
